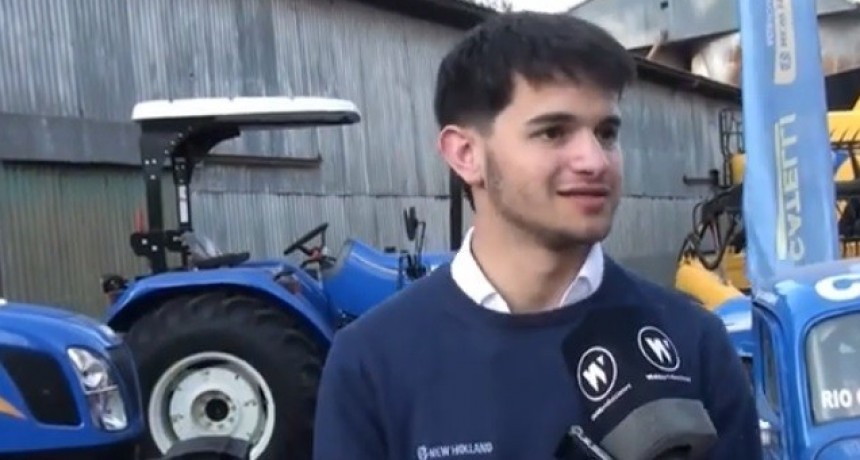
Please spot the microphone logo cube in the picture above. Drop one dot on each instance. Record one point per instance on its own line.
(597, 373)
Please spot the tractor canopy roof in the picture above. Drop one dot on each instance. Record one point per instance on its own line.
(192, 127)
(246, 112)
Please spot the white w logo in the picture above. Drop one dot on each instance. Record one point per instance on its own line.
(660, 348)
(595, 372)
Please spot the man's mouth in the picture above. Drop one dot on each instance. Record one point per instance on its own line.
(585, 191)
(588, 199)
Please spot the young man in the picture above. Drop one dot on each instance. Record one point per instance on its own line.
(467, 363)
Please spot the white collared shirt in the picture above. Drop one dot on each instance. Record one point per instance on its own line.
(471, 279)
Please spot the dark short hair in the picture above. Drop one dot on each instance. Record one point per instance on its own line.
(475, 79)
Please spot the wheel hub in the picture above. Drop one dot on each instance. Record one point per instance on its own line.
(228, 399)
(214, 412)
(205, 402)
(217, 409)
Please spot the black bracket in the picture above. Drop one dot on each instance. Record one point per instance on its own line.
(153, 245)
(182, 145)
(712, 179)
(726, 202)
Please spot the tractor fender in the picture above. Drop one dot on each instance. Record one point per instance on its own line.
(147, 293)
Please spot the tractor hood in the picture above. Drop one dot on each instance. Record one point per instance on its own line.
(39, 326)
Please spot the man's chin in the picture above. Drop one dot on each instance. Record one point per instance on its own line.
(563, 234)
(591, 236)
(591, 232)
(563, 239)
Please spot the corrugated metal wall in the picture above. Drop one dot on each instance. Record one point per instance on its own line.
(62, 228)
(68, 88)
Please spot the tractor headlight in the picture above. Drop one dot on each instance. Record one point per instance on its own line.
(100, 387)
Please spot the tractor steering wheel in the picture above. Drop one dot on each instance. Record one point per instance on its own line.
(300, 243)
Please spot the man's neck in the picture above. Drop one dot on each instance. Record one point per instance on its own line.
(528, 275)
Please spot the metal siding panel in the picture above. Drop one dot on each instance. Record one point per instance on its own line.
(149, 56)
(337, 64)
(265, 224)
(667, 134)
(349, 82)
(69, 227)
(649, 225)
(647, 234)
(94, 62)
(304, 41)
(426, 46)
(100, 49)
(386, 104)
(36, 58)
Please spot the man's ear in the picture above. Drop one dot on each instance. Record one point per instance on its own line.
(461, 150)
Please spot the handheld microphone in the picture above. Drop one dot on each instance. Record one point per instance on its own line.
(638, 397)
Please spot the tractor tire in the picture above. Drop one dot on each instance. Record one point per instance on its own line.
(244, 331)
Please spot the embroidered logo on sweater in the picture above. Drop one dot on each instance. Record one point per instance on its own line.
(454, 450)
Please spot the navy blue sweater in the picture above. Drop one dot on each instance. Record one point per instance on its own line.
(430, 374)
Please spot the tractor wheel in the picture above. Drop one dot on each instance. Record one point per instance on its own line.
(224, 364)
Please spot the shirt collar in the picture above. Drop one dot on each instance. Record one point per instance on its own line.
(472, 281)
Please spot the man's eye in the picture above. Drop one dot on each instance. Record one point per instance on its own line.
(553, 133)
(607, 136)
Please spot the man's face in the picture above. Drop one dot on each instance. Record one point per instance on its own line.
(551, 164)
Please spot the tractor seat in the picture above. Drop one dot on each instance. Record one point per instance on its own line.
(224, 260)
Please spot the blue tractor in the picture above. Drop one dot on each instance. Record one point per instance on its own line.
(805, 320)
(227, 345)
(806, 370)
(68, 387)
(69, 391)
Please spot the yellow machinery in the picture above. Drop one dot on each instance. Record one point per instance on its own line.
(714, 273)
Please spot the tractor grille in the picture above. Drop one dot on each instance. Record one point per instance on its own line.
(125, 367)
(43, 385)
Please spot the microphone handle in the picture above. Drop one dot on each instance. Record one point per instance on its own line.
(576, 437)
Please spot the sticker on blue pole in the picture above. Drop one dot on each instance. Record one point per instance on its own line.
(789, 195)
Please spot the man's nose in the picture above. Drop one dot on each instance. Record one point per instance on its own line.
(585, 154)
